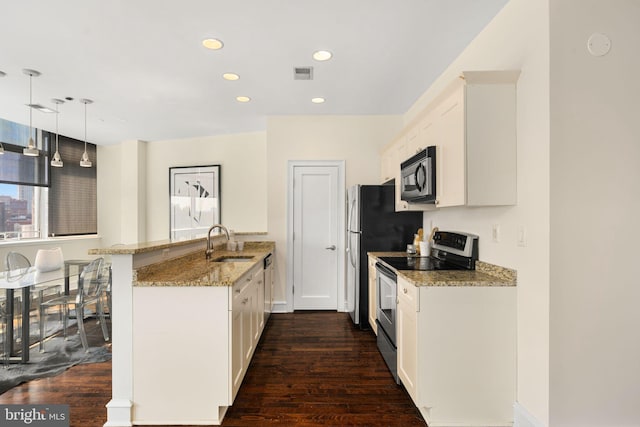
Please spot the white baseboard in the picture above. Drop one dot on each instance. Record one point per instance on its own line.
(280, 307)
(522, 417)
(119, 413)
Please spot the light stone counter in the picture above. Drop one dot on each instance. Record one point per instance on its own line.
(194, 270)
(485, 274)
(139, 248)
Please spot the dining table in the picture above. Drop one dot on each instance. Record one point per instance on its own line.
(21, 280)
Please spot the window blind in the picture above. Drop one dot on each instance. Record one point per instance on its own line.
(16, 168)
(73, 191)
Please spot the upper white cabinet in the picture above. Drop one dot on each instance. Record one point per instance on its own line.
(475, 134)
(421, 135)
(472, 123)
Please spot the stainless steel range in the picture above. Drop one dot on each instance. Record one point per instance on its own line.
(450, 251)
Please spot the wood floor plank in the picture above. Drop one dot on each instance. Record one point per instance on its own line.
(309, 369)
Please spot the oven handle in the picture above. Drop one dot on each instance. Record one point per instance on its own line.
(383, 269)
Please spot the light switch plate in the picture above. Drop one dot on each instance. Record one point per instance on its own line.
(522, 236)
(495, 233)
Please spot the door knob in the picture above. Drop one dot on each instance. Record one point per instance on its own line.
(332, 247)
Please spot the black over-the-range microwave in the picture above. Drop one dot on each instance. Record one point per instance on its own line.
(418, 177)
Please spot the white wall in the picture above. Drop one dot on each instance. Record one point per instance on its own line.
(110, 197)
(133, 201)
(517, 38)
(355, 139)
(243, 186)
(595, 206)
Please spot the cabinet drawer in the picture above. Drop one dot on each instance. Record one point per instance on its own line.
(241, 285)
(408, 294)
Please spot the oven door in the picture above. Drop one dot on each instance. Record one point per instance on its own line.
(386, 300)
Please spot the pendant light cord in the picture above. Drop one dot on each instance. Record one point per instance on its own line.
(85, 127)
(30, 113)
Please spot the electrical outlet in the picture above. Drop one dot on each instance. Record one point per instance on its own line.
(495, 233)
(522, 236)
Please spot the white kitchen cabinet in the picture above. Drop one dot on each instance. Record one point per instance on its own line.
(407, 335)
(475, 134)
(237, 359)
(472, 124)
(457, 352)
(421, 135)
(191, 345)
(268, 290)
(388, 164)
(243, 325)
(372, 294)
(258, 307)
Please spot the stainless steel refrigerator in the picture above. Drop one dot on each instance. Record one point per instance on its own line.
(373, 225)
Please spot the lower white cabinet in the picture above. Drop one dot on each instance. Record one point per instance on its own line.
(407, 335)
(457, 352)
(201, 340)
(247, 314)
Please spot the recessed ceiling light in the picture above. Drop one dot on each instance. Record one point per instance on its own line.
(243, 99)
(322, 55)
(317, 100)
(230, 76)
(213, 44)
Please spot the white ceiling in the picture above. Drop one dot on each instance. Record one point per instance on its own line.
(143, 64)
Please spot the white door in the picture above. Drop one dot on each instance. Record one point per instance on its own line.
(316, 237)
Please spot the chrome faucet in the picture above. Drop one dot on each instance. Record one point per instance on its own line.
(209, 250)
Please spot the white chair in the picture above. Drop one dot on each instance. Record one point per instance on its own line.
(91, 285)
(46, 262)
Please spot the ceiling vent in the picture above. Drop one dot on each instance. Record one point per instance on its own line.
(303, 73)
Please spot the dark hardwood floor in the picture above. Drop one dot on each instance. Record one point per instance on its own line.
(310, 369)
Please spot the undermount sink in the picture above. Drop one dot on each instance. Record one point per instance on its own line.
(239, 258)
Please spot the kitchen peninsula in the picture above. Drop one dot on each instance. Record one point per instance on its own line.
(184, 328)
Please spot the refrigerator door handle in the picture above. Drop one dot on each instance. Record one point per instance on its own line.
(351, 209)
(352, 254)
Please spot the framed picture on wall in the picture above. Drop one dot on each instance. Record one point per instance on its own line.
(194, 195)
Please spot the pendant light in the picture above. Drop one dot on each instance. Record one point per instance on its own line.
(31, 149)
(85, 162)
(56, 162)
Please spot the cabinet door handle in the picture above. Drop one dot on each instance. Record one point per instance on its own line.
(331, 248)
(244, 301)
(237, 291)
(404, 290)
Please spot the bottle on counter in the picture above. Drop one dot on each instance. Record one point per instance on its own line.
(417, 238)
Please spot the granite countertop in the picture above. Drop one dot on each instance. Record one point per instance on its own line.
(138, 248)
(194, 270)
(485, 274)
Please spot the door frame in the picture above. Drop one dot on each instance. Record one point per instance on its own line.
(340, 203)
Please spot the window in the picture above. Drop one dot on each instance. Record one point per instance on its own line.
(37, 200)
(73, 203)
